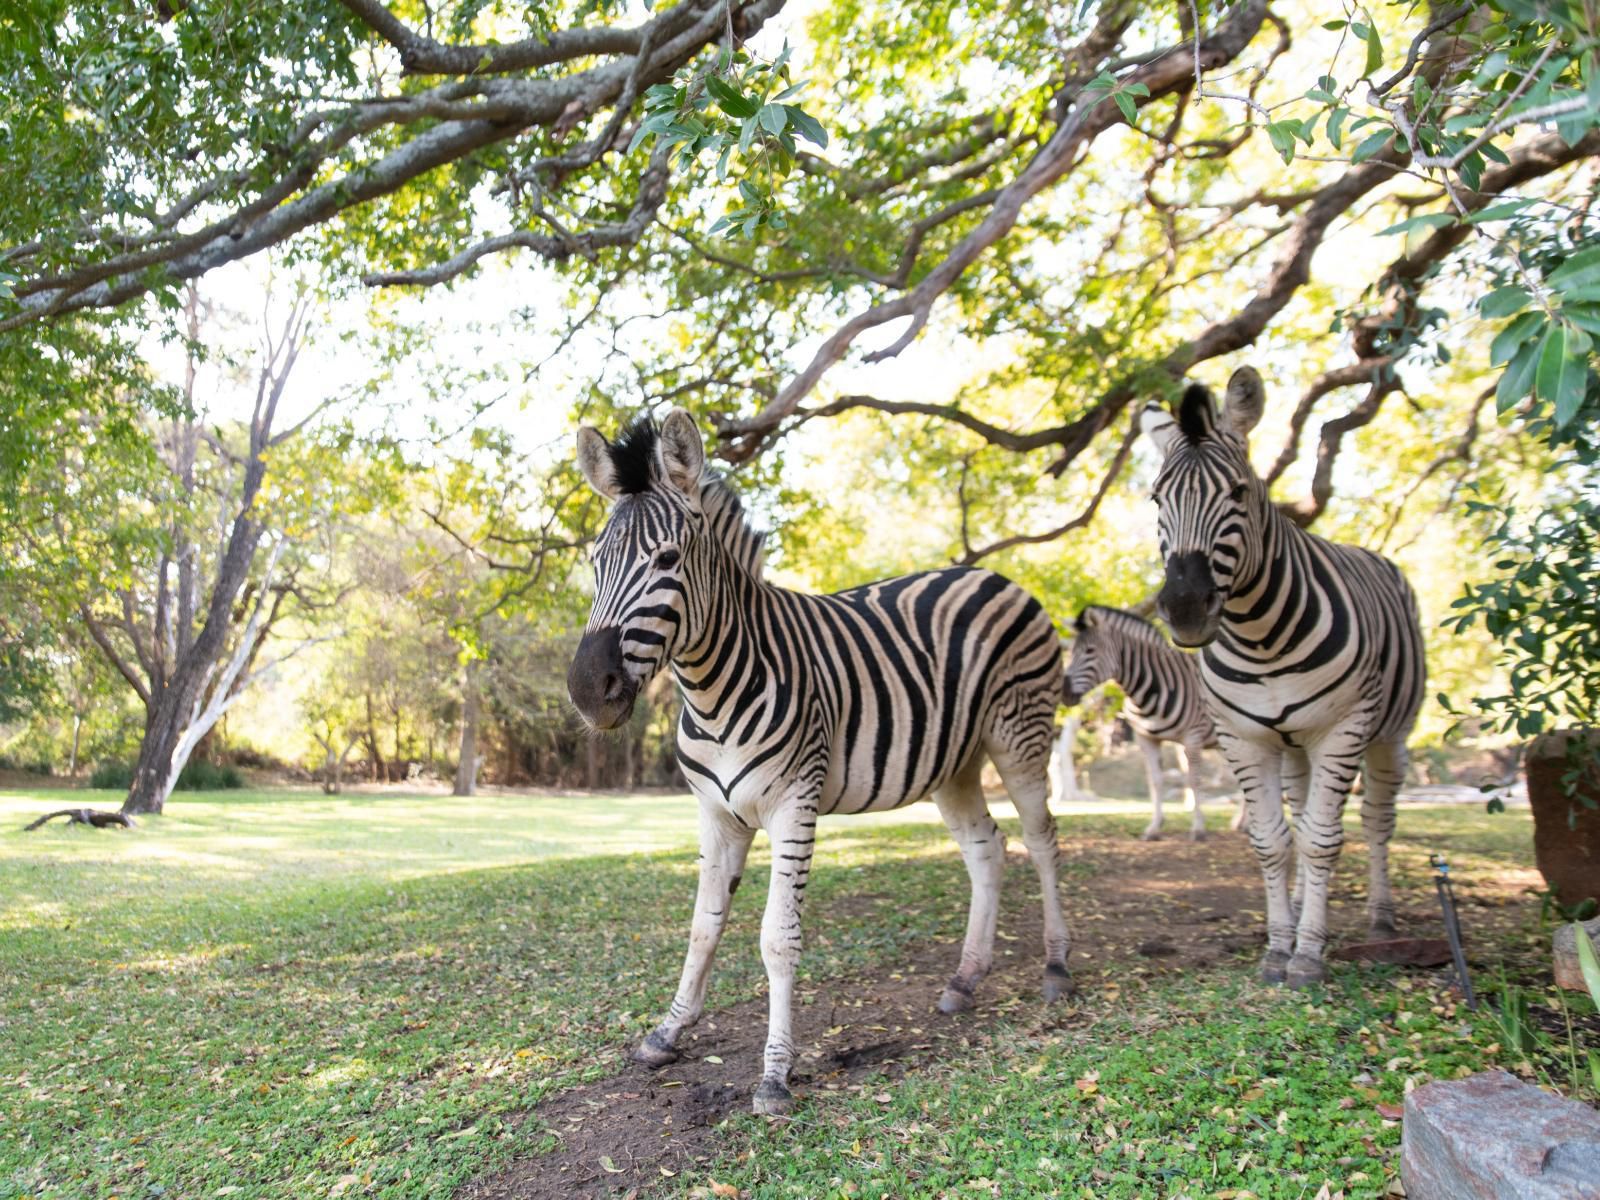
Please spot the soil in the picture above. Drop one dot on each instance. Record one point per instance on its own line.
(624, 1133)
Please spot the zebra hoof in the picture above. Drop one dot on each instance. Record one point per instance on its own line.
(1197, 835)
(1274, 966)
(956, 998)
(1304, 970)
(1058, 983)
(655, 1051)
(772, 1099)
(1150, 835)
(1383, 931)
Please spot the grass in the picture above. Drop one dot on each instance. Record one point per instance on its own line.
(271, 994)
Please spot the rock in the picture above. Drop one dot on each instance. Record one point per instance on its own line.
(1491, 1135)
(1156, 948)
(1569, 972)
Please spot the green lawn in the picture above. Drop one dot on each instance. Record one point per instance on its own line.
(279, 994)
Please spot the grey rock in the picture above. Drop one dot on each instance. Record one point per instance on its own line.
(1492, 1135)
(1569, 973)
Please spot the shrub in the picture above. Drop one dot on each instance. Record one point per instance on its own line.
(208, 777)
(112, 776)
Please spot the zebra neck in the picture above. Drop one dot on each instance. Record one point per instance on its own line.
(1137, 681)
(722, 671)
(1253, 614)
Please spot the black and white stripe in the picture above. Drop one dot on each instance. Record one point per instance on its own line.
(1164, 699)
(797, 705)
(1313, 660)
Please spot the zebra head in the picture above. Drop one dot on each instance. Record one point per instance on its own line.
(1212, 504)
(1093, 657)
(653, 476)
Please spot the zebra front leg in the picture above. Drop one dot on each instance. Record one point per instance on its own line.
(1296, 783)
(1028, 785)
(793, 833)
(983, 847)
(724, 843)
(1152, 772)
(1386, 771)
(1189, 763)
(1319, 833)
(1257, 768)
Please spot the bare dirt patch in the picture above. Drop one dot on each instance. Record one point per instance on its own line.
(1145, 909)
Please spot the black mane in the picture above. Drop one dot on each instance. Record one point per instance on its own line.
(1197, 413)
(633, 455)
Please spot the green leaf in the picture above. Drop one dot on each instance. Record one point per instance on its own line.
(1499, 212)
(1581, 270)
(1282, 135)
(1522, 330)
(772, 118)
(807, 126)
(1334, 26)
(730, 100)
(1589, 961)
(1504, 302)
(1371, 144)
(1517, 378)
(1420, 221)
(1126, 104)
(1374, 49)
(1563, 372)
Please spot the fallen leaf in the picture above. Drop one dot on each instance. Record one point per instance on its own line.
(667, 1171)
(712, 1058)
(884, 1098)
(610, 1167)
(724, 1189)
(1390, 1112)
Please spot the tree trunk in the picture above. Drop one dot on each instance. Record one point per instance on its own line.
(77, 733)
(155, 774)
(591, 762)
(467, 764)
(372, 744)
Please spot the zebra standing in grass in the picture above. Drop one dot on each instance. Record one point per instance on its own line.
(1165, 701)
(797, 705)
(1313, 660)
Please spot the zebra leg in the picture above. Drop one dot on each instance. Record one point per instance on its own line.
(793, 833)
(1189, 763)
(1296, 782)
(1386, 771)
(724, 843)
(1320, 835)
(983, 846)
(1028, 785)
(1258, 770)
(1152, 772)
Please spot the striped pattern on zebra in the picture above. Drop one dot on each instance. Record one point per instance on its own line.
(1313, 660)
(1165, 701)
(797, 705)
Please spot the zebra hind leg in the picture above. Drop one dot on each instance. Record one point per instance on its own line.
(983, 847)
(1385, 770)
(1152, 770)
(1028, 785)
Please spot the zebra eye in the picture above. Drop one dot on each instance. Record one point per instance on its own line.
(1236, 493)
(667, 559)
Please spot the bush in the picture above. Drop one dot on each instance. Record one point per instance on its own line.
(208, 777)
(112, 776)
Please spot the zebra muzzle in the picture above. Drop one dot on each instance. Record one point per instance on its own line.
(598, 681)
(1190, 601)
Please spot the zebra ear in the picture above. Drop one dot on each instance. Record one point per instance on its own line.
(594, 460)
(1085, 620)
(683, 454)
(1247, 396)
(1157, 424)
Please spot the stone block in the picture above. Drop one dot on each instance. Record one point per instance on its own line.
(1493, 1136)
(1569, 972)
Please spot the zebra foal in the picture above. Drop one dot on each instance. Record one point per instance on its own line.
(795, 706)
(1165, 700)
(1312, 661)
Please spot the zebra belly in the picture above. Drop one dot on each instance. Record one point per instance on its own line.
(1283, 711)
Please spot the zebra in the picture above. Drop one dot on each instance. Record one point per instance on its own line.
(1165, 702)
(1312, 661)
(796, 706)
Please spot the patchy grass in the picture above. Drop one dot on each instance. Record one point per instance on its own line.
(278, 994)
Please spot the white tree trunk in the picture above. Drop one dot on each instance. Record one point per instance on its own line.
(1063, 772)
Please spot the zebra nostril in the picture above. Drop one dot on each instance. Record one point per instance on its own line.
(613, 686)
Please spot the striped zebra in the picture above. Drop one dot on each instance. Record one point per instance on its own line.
(796, 706)
(1165, 702)
(1313, 660)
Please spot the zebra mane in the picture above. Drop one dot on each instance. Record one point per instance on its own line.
(1197, 413)
(1124, 622)
(633, 456)
(726, 516)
